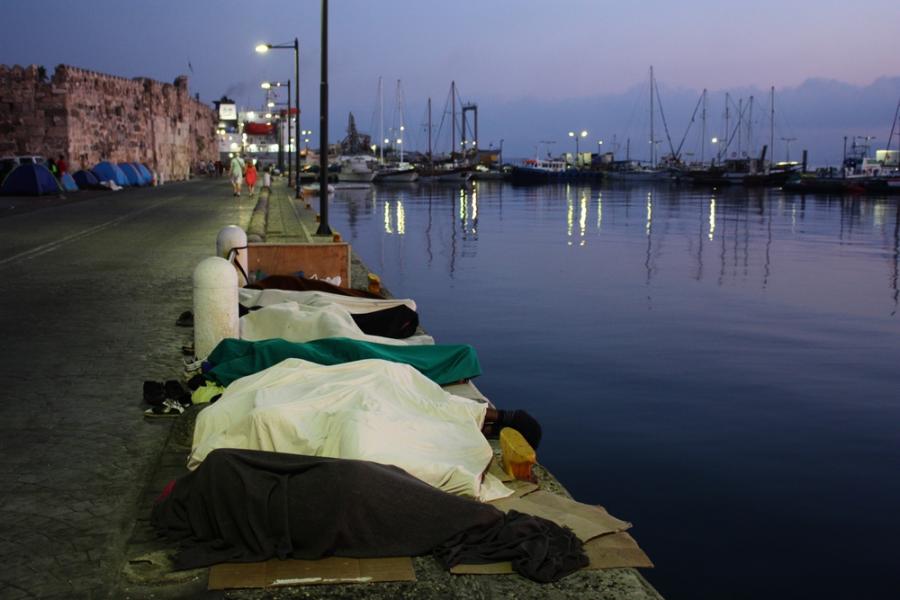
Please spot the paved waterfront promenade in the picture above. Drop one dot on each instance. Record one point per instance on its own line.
(92, 289)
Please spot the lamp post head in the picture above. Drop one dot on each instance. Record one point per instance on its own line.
(571, 134)
(265, 85)
(583, 133)
(263, 48)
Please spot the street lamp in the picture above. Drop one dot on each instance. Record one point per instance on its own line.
(572, 134)
(268, 85)
(263, 49)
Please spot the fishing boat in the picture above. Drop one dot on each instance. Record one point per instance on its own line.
(356, 169)
(537, 170)
(402, 172)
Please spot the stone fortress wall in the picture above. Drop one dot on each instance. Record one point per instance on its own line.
(89, 117)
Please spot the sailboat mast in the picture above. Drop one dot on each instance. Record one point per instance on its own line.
(740, 124)
(430, 160)
(723, 145)
(381, 118)
(750, 149)
(652, 141)
(703, 131)
(772, 124)
(402, 125)
(453, 119)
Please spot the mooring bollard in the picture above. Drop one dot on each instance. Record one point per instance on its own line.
(215, 304)
(234, 238)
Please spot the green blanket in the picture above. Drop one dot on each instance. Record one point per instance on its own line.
(443, 364)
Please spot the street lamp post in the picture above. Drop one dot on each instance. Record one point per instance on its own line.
(582, 134)
(262, 49)
(268, 85)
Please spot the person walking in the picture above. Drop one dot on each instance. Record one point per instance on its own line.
(237, 174)
(61, 165)
(250, 176)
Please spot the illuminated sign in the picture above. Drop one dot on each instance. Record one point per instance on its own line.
(227, 112)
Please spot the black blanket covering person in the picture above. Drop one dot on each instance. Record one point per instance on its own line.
(248, 505)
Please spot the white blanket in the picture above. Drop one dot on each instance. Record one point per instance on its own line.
(370, 409)
(353, 304)
(300, 323)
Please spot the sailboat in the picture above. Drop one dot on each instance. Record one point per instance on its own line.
(402, 171)
(445, 172)
(635, 171)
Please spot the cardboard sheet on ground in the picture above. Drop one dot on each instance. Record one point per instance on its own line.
(587, 522)
(616, 550)
(332, 570)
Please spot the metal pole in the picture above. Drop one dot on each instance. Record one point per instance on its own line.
(324, 229)
(297, 122)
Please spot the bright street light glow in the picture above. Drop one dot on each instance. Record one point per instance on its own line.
(265, 85)
(270, 104)
(600, 142)
(399, 141)
(715, 140)
(571, 134)
(262, 48)
(583, 133)
(402, 128)
(268, 115)
(387, 141)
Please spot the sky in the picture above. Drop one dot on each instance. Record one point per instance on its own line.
(536, 69)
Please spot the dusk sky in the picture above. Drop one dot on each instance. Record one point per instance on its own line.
(535, 68)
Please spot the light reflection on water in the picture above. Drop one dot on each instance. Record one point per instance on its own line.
(718, 368)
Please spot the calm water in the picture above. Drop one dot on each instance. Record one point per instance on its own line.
(719, 369)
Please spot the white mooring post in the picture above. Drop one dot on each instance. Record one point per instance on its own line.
(215, 304)
(229, 238)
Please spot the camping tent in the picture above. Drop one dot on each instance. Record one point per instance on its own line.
(68, 183)
(132, 175)
(107, 171)
(137, 169)
(30, 180)
(142, 168)
(86, 180)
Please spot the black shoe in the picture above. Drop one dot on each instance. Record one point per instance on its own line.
(175, 390)
(154, 393)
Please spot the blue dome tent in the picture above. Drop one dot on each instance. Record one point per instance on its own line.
(132, 175)
(107, 171)
(146, 173)
(68, 183)
(30, 180)
(86, 180)
(137, 169)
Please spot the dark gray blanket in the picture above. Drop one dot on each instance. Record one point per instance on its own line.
(247, 505)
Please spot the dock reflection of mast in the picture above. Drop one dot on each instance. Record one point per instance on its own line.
(894, 275)
(649, 233)
(452, 234)
(428, 228)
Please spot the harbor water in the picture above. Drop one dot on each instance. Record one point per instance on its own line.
(721, 368)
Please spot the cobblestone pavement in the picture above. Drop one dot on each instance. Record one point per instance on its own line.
(90, 294)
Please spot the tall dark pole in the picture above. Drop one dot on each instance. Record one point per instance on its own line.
(324, 229)
(297, 121)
